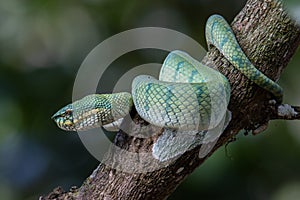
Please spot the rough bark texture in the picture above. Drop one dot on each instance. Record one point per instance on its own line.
(269, 38)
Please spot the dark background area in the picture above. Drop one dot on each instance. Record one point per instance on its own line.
(42, 45)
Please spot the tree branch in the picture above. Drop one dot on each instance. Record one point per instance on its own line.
(269, 38)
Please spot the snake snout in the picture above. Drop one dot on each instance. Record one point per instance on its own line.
(64, 118)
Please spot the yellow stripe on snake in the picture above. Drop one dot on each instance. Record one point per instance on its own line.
(189, 100)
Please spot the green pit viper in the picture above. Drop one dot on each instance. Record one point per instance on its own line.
(189, 100)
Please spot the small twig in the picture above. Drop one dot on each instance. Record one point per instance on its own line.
(287, 112)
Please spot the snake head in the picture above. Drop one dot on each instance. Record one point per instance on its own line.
(64, 118)
(83, 114)
(93, 111)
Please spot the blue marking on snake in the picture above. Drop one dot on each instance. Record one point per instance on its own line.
(147, 96)
(105, 104)
(257, 73)
(224, 40)
(239, 60)
(211, 31)
(179, 66)
(169, 95)
(266, 83)
(199, 94)
(191, 78)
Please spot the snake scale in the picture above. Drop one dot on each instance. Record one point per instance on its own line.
(189, 99)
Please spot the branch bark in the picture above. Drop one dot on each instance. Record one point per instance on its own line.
(269, 38)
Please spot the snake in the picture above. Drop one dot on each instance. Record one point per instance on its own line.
(188, 97)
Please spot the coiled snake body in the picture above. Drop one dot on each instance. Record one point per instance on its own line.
(189, 99)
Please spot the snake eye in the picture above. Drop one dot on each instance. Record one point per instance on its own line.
(68, 112)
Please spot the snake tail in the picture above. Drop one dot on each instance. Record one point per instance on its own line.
(219, 34)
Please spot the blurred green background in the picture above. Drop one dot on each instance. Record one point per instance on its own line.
(43, 43)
